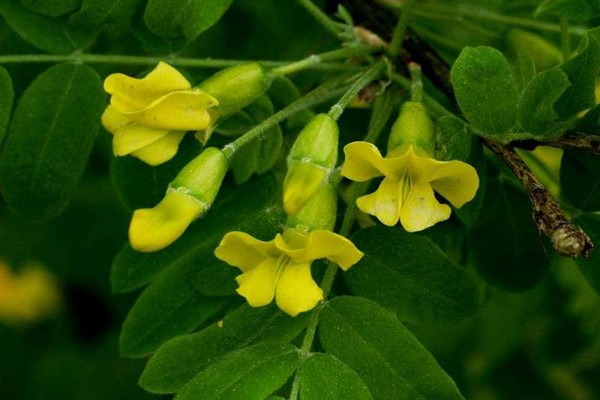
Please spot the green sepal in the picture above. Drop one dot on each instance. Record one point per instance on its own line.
(202, 177)
(319, 212)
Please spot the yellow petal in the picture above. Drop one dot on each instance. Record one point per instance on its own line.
(132, 137)
(113, 120)
(421, 209)
(301, 183)
(131, 94)
(258, 284)
(181, 111)
(244, 251)
(384, 203)
(296, 290)
(457, 182)
(161, 150)
(363, 161)
(152, 229)
(324, 244)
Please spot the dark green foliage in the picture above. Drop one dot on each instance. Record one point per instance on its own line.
(410, 275)
(388, 358)
(507, 248)
(324, 377)
(176, 362)
(590, 268)
(183, 19)
(50, 34)
(248, 374)
(49, 140)
(486, 90)
(576, 10)
(580, 178)
(51, 8)
(6, 102)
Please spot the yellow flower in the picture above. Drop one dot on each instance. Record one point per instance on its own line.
(407, 190)
(280, 268)
(148, 117)
(28, 296)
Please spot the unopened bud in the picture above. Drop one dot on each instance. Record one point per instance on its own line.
(318, 213)
(544, 53)
(413, 127)
(310, 162)
(237, 87)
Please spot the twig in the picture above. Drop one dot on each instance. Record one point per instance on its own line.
(578, 141)
(567, 238)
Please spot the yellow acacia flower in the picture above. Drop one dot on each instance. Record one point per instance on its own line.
(280, 268)
(27, 296)
(410, 179)
(148, 117)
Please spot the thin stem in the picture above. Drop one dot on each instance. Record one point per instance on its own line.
(432, 104)
(468, 11)
(416, 89)
(142, 60)
(371, 74)
(577, 141)
(327, 23)
(322, 93)
(565, 39)
(382, 111)
(316, 59)
(400, 29)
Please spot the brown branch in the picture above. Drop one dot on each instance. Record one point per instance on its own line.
(567, 238)
(578, 141)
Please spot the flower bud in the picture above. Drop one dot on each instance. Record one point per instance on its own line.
(237, 87)
(310, 162)
(319, 212)
(189, 195)
(413, 127)
(544, 53)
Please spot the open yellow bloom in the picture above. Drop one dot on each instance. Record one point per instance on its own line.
(280, 268)
(148, 117)
(407, 190)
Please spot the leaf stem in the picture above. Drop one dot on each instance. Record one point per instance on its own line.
(323, 93)
(400, 29)
(142, 60)
(316, 59)
(324, 19)
(371, 74)
(381, 113)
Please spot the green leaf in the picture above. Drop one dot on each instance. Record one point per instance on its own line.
(7, 96)
(324, 377)
(580, 179)
(248, 208)
(95, 13)
(252, 373)
(388, 358)
(507, 248)
(581, 69)
(50, 137)
(174, 19)
(176, 362)
(51, 8)
(140, 185)
(411, 276)
(169, 307)
(485, 90)
(590, 268)
(49, 34)
(536, 107)
(576, 10)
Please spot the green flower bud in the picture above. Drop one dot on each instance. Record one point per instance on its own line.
(319, 212)
(310, 162)
(237, 87)
(413, 127)
(544, 53)
(201, 178)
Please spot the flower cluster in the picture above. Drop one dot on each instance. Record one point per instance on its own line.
(148, 118)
